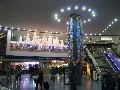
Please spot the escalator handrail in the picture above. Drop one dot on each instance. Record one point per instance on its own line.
(103, 51)
(114, 60)
(93, 60)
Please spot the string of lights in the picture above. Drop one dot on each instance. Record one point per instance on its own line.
(76, 8)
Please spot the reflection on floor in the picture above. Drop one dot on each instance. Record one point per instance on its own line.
(27, 83)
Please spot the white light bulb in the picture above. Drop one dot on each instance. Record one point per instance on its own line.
(85, 34)
(93, 15)
(62, 10)
(93, 12)
(84, 21)
(56, 15)
(102, 31)
(110, 25)
(84, 8)
(115, 20)
(76, 7)
(59, 20)
(89, 20)
(68, 8)
(56, 18)
(89, 10)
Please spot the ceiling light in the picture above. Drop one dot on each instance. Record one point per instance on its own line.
(94, 42)
(84, 21)
(62, 10)
(89, 10)
(94, 15)
(18, 28)
(89, 20)
(58, 20)
(46, 31)
(56, 15)
(112, 41)
(29, 30)
(50, 32)
(112, 22)
(84, 40)
(107, 27)
(86, 37)
(99, 34)
(115, 19)
(84, 8)
(95, 34)
(67, 22)
(76, 7)
(12, 28)
(103, 31)
(85, 34)
(93, 12)
(89, 41)
(90, 34)
(110, 25)
(115, 42)
(68, 8)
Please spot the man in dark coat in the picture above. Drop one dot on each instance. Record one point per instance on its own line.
(39, 80)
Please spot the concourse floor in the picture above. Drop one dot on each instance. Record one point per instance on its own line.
(27, 83)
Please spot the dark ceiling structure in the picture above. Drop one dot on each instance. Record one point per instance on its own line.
(38, 15)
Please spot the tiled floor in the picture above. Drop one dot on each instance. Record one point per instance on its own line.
(27, 83)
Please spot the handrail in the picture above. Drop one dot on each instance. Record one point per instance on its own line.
(93, 60)
(108, 61)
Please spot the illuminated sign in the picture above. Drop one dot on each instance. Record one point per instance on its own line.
(106, 38)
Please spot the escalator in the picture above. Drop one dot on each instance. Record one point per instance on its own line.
(102, 61)
(113, 61)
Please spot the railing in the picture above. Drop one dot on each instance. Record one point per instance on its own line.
(113, 60)
(102, 53)
(96, 74)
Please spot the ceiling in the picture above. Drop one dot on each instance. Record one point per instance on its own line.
(39, 15)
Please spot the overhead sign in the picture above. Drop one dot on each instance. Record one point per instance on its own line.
(106, 38)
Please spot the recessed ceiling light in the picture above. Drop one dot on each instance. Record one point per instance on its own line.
(115, 19)
(89, 10)
(84, 8)
(62, 10)
(68, 8)
(85, 34)
(76, 7)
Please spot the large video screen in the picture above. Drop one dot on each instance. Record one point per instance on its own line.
(34, 41)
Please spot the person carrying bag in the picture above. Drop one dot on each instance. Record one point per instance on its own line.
(39, 79)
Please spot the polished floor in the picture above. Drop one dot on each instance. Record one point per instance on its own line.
(27, 83)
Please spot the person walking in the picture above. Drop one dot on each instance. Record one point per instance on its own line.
(39, 79)
(53, 73)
